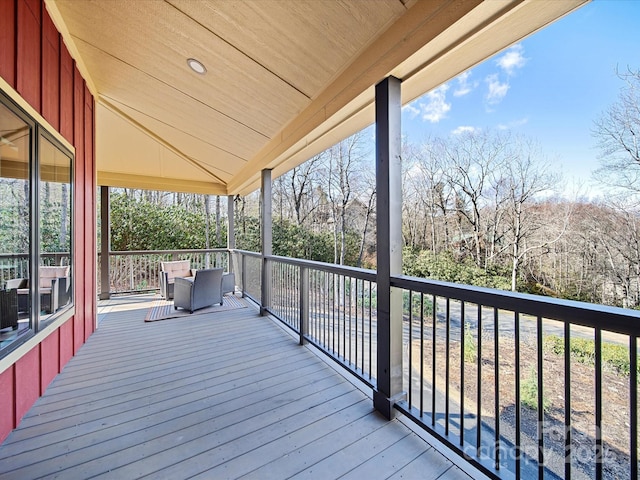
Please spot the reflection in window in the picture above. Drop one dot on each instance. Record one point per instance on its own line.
(54, 286)
(15, 300)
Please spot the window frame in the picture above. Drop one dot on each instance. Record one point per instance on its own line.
(42, 134)
(39, 130)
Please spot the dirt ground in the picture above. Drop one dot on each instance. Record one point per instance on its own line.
(615, 400)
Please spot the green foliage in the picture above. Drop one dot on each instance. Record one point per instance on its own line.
(137, 224)
(614, 356)
(443, 266)
(470, 345)
(553, 344)
(248, 233)
(14, 217)
(293, 240)
(427, 306)
(529, 392)
(55, 217)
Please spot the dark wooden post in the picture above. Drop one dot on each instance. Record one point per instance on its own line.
(105, 243)
(267, 240)
(389, 240)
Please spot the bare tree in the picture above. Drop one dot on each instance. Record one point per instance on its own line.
(617, 132)
(526, 178)
(345, 162)
(471, 158)
(369, 206)
(301, 181)
(428, 196)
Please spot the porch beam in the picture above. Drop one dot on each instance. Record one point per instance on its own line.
(105, 243)
(389, 245)
(266, 237)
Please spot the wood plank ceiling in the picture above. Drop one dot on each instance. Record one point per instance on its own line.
(285, 78)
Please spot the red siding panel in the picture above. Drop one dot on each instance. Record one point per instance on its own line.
(27, 371)
(28, 55)
(8, 41)
(66, 343)
(50, 72)
(7, 399)
(35, 61)
(81, 199)
(78, 333)
(49, 359)
(66, 93)
(89, 218)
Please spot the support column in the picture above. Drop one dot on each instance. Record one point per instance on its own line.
(105, 243)
(231, 220)
(267, 239)
(231, 230)
(389, 245)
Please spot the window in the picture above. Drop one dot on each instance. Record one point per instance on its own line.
(35, 226)
(54, 213)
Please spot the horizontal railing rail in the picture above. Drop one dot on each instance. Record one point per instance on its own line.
(621, 320)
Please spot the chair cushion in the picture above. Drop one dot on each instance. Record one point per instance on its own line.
(179, 268)
(49, 273)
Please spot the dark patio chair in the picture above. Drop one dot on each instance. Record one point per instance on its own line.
(21, 286)
(9, 309)
(55, 289)
(203, 290)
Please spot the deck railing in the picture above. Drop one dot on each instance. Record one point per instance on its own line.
(16, 265)
(534, 386)
(329, 306)
(139, 271)
(521, 386)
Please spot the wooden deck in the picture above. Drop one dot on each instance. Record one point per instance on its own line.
(223, 395)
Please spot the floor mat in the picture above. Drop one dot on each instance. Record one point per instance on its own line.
(163, 309)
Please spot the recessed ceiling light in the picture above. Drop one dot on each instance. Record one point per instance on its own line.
(196, 66)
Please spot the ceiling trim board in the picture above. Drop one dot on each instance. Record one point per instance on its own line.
(144, 182)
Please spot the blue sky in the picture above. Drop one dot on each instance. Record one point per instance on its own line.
(551, 87)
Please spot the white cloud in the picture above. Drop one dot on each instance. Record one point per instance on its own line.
(513, 124)
(497, 89)
(512, 59)
(464, 129)
(436, 107)
(464, 85)
(413, 110)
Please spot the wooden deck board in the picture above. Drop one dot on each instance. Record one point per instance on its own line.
(223, 395)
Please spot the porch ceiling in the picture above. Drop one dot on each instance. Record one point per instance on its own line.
(284, 80)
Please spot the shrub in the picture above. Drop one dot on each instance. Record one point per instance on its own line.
(470, 345)
(444, 266)
(529, 392)
(614, 356)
